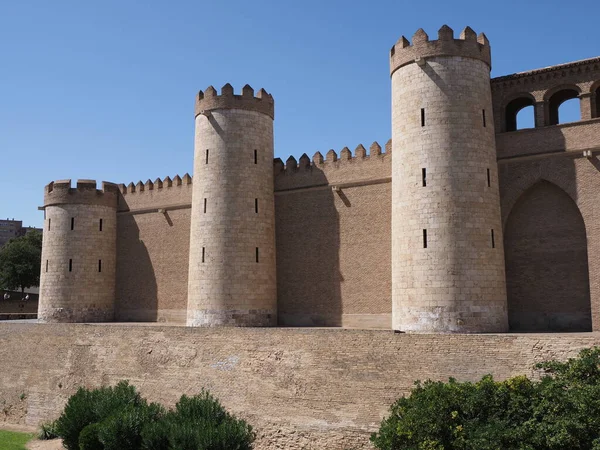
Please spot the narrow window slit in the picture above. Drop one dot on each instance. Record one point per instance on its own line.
(99, 265)
(46, 265)
(100, 224)
(204, 206)
(206, 156)
(72, 223)
(256, 205)
(255, 157)
(422, 117)
(203, 252)
(489, 179)
(70, 265)
(424, 238)
(493, 240)
(424, 176)
(483, 116)
(49, 220)
(256, 254)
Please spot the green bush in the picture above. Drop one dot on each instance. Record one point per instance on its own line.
(86, 407)
(119, 419)
(198, 422)
(123, 430)
(561, 411)
(88, 438)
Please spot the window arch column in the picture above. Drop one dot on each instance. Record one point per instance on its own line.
(585, 102)
(539, 109)
(595, 101)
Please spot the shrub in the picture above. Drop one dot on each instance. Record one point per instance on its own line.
(88, 438)
(199, 422)
(561, 411)
(119, 419)
(123, 430)
(86, 407)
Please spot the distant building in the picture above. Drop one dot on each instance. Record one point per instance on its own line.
(11, 228)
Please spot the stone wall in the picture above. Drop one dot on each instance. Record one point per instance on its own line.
(447, 271)
(299, 388)
(231, 279)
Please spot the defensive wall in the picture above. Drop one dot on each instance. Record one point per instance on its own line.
(334, 213)
(300, 388)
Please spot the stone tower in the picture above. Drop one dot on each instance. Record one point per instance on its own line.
(232, 273)
(79, 252)
(447, 246)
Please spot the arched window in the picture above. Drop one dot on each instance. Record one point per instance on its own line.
(563, 106)
(519, 114)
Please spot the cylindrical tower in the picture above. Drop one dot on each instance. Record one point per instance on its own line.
(447, 253)
(232, 279)
(79, 252)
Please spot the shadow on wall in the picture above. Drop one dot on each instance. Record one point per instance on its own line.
(308, 262)
(545, 246)
(136, 290)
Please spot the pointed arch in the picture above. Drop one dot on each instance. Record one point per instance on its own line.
(547, 272)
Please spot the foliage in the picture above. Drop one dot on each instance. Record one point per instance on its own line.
(86, 407)
(561, 411)
(47, 431)
(199, 422)
(20, 262)
(120, 419)
(10, 440)
(123, 431)
(88, 438)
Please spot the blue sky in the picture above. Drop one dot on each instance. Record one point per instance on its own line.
(105, 90)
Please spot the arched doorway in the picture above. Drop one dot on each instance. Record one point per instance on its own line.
(547, 274)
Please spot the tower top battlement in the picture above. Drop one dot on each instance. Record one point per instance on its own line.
(468, 45)
(60, 192)
(209, 100)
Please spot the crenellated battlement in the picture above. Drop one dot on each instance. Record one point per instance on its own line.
(468, 45)
(304, 163)
(86, 192)
(209, 100)
(157, 184)
(345, 167)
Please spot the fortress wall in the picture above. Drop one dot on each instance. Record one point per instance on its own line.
(333, 257)
(158, 194)
(152, 253)
(333, 169)
(555, 138)
(546, 271)
(333, 247)
(299, 388)
(321, 236)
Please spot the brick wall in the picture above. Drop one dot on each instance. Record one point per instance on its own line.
(300, 388)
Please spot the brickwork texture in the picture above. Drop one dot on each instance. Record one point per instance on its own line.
(340, 234)
(299, 388)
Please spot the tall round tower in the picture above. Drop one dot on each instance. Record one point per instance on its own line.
(232, 280)
(79, 252)
(447, 252)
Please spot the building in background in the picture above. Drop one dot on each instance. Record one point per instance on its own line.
(11, 228)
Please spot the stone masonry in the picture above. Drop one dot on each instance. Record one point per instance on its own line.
(79, 253)
(447, 271)
(341, 235)
(232, 240)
